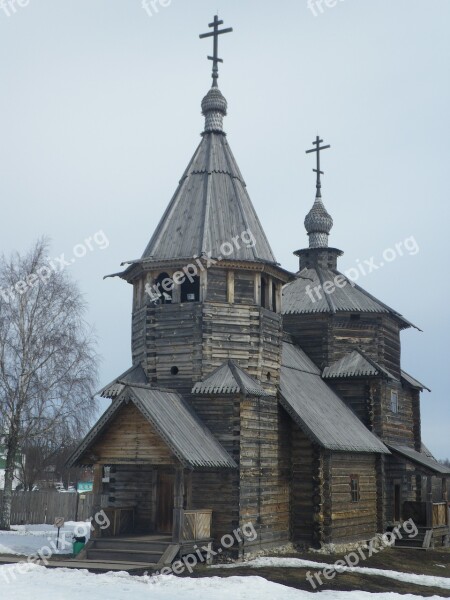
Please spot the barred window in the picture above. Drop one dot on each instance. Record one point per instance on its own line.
(354, 488)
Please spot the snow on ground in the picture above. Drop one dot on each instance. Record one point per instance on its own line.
(259, 563)
(29, 539)
(40, 583)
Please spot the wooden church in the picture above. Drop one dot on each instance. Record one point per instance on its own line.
(255, 395)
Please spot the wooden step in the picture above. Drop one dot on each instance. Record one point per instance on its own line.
(119, 544)
(128, 555)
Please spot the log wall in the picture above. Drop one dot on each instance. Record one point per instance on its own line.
(129, 439)
(353, 521)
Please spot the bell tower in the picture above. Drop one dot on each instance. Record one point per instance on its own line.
(208, 288)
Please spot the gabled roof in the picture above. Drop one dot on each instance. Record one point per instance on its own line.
(414, 383)
(229, 379)
(321, 414)
(300, 297)
(174, 420)
(210, 206)
(355, 364)
(135, 374)
(420, 458)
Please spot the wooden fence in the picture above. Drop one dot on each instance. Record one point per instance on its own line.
(34, 508)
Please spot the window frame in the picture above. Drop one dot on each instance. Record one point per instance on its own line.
(394, 406)
(355, 489)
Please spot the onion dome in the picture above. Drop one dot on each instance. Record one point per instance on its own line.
(214, 108)
(318, 224)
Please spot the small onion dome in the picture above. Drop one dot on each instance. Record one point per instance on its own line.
(318, 224)
(214, 108)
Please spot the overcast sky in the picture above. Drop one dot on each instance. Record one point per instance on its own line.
(100, 114)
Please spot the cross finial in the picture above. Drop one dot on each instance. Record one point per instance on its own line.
(318, 148)
(215, 34)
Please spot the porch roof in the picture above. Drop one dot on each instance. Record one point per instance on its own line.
(174, 420)
(429, 463)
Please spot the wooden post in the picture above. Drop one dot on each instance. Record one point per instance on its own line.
(445, 499)
(429, 501)
(97, 490)
(178, 512)
(230, 287)
(154, 498)
(258, 289)
(203, 285)
(269, 293)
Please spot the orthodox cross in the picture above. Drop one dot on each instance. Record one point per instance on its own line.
(215, 34)
(318, 148)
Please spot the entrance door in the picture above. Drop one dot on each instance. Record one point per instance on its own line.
(164, 518)
(397, 502)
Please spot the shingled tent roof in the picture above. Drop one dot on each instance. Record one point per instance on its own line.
(211, 205)
(321, 414)
(174, 420)
(299, 296)
(229, 379)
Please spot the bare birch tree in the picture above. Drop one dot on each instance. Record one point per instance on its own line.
(48, 364)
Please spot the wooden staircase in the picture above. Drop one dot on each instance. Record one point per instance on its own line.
(152, 552)
(422, 541)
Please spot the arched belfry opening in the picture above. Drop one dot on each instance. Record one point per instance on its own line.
(190, 289)
(164, 288)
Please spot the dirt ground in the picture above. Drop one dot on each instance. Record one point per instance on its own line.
(431, 562)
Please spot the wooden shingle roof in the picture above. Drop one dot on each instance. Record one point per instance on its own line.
(421, 458)
(229, 379)
(210, 206)
(300, 297)
(174, 420)
(321, 414)
(355, 364)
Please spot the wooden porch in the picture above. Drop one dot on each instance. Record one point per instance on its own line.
(432, 519)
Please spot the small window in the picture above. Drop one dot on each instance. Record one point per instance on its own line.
(354, 488)
(174, 370)
(394, 401)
